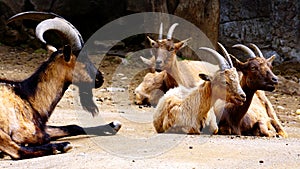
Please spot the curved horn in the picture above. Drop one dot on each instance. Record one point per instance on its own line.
(33, 15)
(257, 50)
(52, 22)
(223, 63)
(171, 30)
(160, 31)
(65, 28)
(245, 49)
(226, 54)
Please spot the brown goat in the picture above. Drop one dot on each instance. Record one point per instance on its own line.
(256, 116)
(27, 105)
(85, 75)
(188, 108)
(165, 58)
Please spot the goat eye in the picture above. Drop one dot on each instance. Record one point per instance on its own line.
(253, 68)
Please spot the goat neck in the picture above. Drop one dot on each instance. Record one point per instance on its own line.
(44, 89)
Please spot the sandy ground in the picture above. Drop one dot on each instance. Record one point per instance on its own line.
(137, 145)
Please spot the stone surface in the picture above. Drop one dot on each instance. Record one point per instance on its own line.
(271, 24)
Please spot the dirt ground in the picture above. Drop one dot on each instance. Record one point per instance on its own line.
(137, 145)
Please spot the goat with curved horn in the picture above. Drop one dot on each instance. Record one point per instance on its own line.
(171, 30)
(86, 76)
(256, 49)
(87, 73)
(245, 49)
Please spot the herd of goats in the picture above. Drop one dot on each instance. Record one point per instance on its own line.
(227, 98)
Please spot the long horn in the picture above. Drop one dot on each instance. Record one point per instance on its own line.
(222, 62)
(257, 50)
(226, 54)
(245, 49)
(33, 15)
(160, 31)
(53, 22)
(171, 30)
(65, 28)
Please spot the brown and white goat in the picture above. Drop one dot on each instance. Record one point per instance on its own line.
(183, 73)
(256, 116)
(188, 108)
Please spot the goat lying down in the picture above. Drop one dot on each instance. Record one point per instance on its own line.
(188, 108)
(25, 106)
(183, 73)
(256, 116)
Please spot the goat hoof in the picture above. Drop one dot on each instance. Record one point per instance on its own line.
(116, 125)
(63, 147)
(67, 148)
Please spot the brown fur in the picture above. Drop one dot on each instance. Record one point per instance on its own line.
(27, 105)
(183, 73)
(256, 116)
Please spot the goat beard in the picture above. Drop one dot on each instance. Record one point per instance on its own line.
(86, 99)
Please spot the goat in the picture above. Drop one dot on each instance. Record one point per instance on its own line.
(27, 105)
(188, 108)
(176, 71)
(256, 116)
(150, 90)
(85, 74)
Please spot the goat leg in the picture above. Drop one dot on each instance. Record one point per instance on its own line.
(43, 150)
(57, 132)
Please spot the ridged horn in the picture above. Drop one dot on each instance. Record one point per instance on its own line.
(160, 35)
(224, 51)
(65, 28)
(257, 50)
(245, 49)
(33, 15)
(222, 62)
(171, 30)
(53, 21)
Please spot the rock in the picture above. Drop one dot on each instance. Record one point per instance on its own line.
(280, 107)
(115, 89)
(298, 111)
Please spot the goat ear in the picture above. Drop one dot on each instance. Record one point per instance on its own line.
(67, 53)
(271, 59)
(149, 62)
(236, 63)
(182, 44)
(153, 43)
(50, 49)
(204, 77)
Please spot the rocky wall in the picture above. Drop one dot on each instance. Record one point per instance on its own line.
(271, 24)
